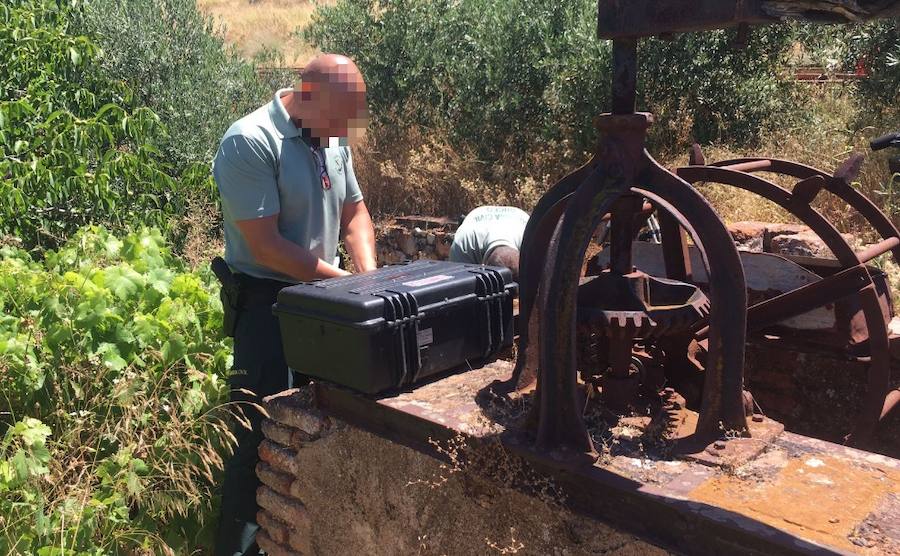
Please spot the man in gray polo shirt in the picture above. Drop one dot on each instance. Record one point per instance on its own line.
(492, 236)
(288, 191)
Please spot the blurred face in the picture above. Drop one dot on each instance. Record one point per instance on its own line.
(336, 111)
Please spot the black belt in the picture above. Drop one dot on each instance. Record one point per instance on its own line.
(241, 291)
(258, 291)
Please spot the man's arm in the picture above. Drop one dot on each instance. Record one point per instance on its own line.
(272, 250)
(359, 235)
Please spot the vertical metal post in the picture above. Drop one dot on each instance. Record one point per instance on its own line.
(624, 81)
(676, 255)
(622, 232)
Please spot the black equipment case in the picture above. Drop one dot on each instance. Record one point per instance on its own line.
(395, 326)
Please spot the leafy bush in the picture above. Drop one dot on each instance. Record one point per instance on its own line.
(877, 46)
(73, 148)
(111, 363)
(499, 73)
(174, 60)
(729, 93)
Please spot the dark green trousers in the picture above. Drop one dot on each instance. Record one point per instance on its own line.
(260, 369)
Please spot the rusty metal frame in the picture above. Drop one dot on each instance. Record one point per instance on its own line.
(854, 278)
(641, 18)
(553, 249)
(562, 223)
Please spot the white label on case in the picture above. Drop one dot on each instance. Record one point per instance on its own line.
(425, 337)
(428, 281)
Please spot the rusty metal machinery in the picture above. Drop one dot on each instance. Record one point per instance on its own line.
(636, 341)
(850, 277)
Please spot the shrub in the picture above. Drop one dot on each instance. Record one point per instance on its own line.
(501, 73)
(729, 93)
(877, 47)
(74, 149)
(175, 61)
(111, 365)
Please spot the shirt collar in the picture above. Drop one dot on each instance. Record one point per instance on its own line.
(280, 117)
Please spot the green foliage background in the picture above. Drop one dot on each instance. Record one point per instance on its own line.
(171, 57)
(878, 46)
(111, 363)
(500, 73)
(74, 147)
(112, 367)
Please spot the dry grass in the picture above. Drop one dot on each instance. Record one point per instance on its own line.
(201, 233)
(102, 425)
(416, 171)
(840, 127)
(255, 27)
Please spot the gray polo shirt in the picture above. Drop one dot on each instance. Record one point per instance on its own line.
(485, 228)
(264, 167)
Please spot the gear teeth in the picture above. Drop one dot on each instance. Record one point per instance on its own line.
(668, 417)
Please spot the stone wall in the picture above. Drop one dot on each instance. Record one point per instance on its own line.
(332, 489)
(412, 238)
(782, 239)
(815, 394)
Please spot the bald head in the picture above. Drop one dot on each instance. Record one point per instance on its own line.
(332, 100)
(334, 72)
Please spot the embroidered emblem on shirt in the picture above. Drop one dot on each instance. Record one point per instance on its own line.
(323, 169)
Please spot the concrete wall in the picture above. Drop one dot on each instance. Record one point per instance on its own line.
(332, 489)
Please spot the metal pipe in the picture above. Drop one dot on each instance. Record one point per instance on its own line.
(624, 82)
(877, 249)
(753, 166)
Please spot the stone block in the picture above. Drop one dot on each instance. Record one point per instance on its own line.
(774, 379)
(284, 509)
(279, 433)
(749, 235)
(271, 547)
(288, 409)
(277, 480)
(275, 529)
(407, 244)
(802, 244)
(442, 248)
(778, 405)
(776, 229)
(279, 457)
(300, 542)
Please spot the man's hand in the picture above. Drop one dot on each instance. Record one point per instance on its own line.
(272, 250)
(359, 235)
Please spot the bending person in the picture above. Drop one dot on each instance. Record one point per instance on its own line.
(492, 236)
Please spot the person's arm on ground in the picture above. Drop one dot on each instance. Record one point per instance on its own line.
(359, 235)
(272, 250)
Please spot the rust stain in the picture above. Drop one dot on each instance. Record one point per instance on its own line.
(819, 498)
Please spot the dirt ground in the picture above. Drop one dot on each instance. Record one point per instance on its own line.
(369, 496)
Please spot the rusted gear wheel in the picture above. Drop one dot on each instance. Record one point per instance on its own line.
(668, 415)
(637, 305)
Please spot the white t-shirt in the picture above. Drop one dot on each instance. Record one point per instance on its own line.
(486, 228)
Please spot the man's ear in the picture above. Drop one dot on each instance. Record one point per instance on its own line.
(305, 90)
